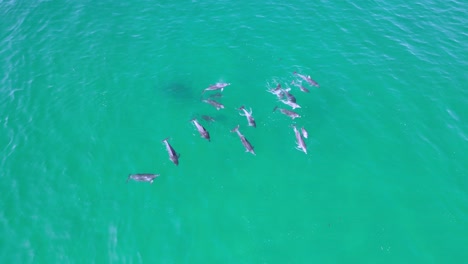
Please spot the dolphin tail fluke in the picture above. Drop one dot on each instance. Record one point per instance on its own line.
(241, 108)
(294, 72)
(235, 129)
(166, 139)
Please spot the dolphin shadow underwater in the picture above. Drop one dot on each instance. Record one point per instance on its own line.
(177, 90)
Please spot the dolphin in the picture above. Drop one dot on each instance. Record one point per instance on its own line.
(173, 155)
(300, 142)
(305, 90)
(307, 79)
(291, 104)
(291, 114)
(201, 129)
(305, 134)
(277, 91)
(248, 147)
(214, 103)
(248, 115)
(216, 86)
(216, 95)
(208, 118)
(290, 97)
(144, 177)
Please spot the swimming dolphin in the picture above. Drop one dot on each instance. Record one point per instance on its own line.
(291, 104)
(307, 79)
(248, 147)
(300, 142)
(216, 95)
(291, 114)
(290, 97)
(201, 129)
(214, 103)
(144, 177)
(216, 86)
(305, 90)
(173, 155)
(277, 91)
(248, 115)
(305, 134)
(208, 118)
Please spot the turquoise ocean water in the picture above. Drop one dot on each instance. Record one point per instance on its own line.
(89, 89)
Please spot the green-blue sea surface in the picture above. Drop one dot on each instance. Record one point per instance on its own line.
(89, 89)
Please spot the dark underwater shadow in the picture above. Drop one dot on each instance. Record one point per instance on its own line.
(211, 118)
(178, 90)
